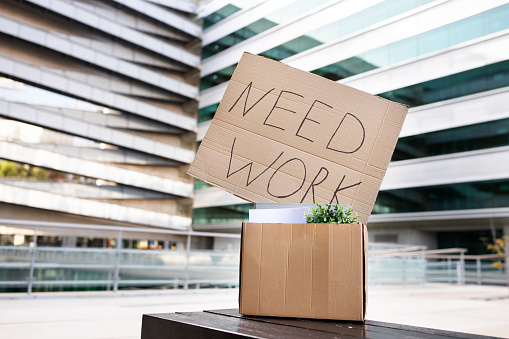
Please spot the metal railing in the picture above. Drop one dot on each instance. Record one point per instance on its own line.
(44, 268)
(37, 268)
(469, 269)
(393, 264)
(114, 268)
(452, 265)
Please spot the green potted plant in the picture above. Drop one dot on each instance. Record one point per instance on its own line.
(331, 214)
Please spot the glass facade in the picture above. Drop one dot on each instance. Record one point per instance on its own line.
(217, 78)
(343, 27)
(475, 241)
(453, 86)
(221, 214)
(461, 139)
(278, 17)
(476, 26)
(462, 196)
(458, 196)
(198, 184)
(219, 15)
(207, 113)
(324, 34)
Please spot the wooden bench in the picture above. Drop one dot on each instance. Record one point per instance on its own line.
(229, 323)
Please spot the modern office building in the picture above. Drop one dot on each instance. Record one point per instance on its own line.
(98, 103)
(102, 104)
(448, 181)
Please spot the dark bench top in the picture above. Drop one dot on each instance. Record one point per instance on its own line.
(230, 324)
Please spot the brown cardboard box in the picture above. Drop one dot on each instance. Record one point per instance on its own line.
(304, 270)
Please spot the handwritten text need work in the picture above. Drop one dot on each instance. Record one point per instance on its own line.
(246, 104)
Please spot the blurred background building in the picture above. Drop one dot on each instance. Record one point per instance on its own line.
(104, 102)
(98, 107)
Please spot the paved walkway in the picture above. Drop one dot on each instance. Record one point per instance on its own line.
(93, 315)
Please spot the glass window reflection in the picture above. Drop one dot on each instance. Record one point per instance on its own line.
(453, 86)
(458, 196)
(437, 39)
(221, 214)
(324, 34)
(461, 139)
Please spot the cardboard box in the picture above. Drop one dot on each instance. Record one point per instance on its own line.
(288, 136)
(304, 270)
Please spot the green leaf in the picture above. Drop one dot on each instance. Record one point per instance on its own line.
(334, 214)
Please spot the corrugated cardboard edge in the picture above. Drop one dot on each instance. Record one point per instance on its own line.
(240, 267)
(365, 273)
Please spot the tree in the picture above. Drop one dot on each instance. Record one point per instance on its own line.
(500, 247)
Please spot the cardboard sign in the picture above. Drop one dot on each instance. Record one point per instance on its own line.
(284, 135)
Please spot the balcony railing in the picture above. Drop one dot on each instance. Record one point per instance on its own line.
(35, 268)
(112, 269)
(451, 265)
